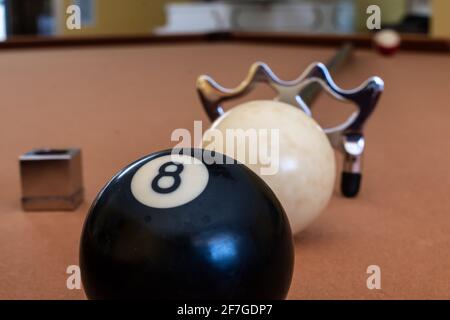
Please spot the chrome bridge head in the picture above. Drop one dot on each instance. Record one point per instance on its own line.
(348, 137)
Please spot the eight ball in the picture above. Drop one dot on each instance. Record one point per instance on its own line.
(175, 226)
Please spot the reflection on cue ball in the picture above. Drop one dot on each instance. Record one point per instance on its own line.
(177, 227)
(306, 175)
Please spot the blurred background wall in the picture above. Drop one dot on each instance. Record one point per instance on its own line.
(440, 26)
(393, 11)
(121, 17)
(115, 17)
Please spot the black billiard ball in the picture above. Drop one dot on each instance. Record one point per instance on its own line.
(178, 225)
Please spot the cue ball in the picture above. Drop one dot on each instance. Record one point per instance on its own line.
(174, 226)
(306, 172)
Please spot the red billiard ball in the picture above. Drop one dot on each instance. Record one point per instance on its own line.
(387, 42)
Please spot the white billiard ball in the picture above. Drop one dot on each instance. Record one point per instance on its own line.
(306, 172)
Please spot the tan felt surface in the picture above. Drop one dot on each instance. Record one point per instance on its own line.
(121, 103)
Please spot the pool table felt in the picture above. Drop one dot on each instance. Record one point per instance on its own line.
(120, 103)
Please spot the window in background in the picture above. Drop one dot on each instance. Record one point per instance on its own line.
(2, 21)
(320, 16)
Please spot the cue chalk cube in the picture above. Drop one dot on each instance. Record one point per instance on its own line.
(51, 179)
